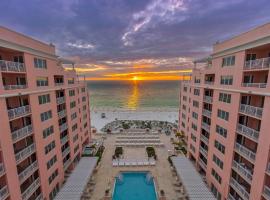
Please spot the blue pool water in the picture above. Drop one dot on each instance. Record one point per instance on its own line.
(134, 186)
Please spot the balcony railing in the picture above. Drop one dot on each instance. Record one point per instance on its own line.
(60, 100)
(206, 126)
(64, 140)
(9, 66)
(204, 152)
(2, 169)
(202, 164)
(66, 152)
(257, 85)
(14, 87)
(207, 113)
(209, 82)
(268, 168)
(59, 84)
(4, 192)
(63, 127)
(230, 197)
(21, 133)
(204, 139)
(21, 155)
(243, 171)
(62, 113)
(251, 110)
(262, 63)
(39, 197)
(28, 171)
(17, 112)
(208, 99)
(249, 132)
(239, 189)
(67, 163)
(245, 151)
(266, 191)
(31, 189)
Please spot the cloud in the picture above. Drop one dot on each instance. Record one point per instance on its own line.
(81, 45)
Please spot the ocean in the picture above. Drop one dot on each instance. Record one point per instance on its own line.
(134, 95)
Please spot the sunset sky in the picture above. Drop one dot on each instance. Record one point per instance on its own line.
(133, 39)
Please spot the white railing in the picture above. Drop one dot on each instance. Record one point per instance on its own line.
(241, 190)
(2, 169)
(262, 63)
(24, 153)
(204, 152)
(21, 133)
(203, 165)
(59, 84)
(62, 113)
(31, 189)
(16, 112)
(230, 197)
(207, 113)
(9, 66)
(67, 163)
(64, 140)
(266, 191)
(208, 99)
(60, 100)
(209, 82)
(206, 126)
(245, 151)
(252, 133)
(28, 171)
(4, 192)
(251, 110)
(66, 152)
(257, 85)
(39, 197)
(63, 127)
(242, 170)
(14, 87)
(204, 139)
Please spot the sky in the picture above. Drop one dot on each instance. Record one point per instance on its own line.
(133, 39)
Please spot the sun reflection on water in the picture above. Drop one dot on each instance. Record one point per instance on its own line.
(133, 102)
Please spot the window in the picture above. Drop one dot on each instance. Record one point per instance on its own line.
(218, 162)
(73, 116)
(192, 148)
(72, 104)
(183, 116)
(184, 107)
(220, 146)
(18, 59)
(49, 147)
(225, 97)
(71, 81)
(85, 125)
(194, 115)
(40, 63)
(184, 98)
(75, 138)
(76, 148)
(226, 80)
(71, 93)
(46, 115)
(193, 137)
(83, 89)
(74, 127)
(197, 80)
(84, 116)
(215, 192)
(197, 92)
(183, 124)
(42, 81)
(194, 127)
(53, 176)
(216, 176)
(54, 191)
(228, 61)
(195, 104)
(250, 56)
(51, 162)
(83, 99)
(223, 114)
(84, 107)
(48, 131)
(222, 131)
(44, 99)
(185, 89)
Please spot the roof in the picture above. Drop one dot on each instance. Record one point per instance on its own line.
(76, 183)
(192, 181)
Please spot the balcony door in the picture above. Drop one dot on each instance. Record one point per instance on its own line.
(251, 56)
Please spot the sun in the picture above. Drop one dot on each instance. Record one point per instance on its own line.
(135, 78)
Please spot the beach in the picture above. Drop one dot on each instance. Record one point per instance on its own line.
(164, 114)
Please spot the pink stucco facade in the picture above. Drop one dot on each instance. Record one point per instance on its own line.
(224, 113)
(45, 118)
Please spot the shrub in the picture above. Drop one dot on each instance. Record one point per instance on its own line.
(99, 153)
(118, 151)
(151, 152)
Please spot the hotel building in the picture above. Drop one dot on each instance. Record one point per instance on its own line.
(225, 115)
(45, 119)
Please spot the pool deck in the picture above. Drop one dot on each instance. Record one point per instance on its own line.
(104, 177)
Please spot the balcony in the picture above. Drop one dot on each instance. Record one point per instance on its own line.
(206, 126)
(39, 197)
(59, 83)
(256, 85)
(67, 163)
(21, 155)
(203, 152)
(268, 168)
(251, 110)
(4, 193)
(2, 169)
(64, 140)
(207, 113)
(60, 100)
(249, 132)
(239, 189)
(66, 152)
(204, 139)
(14, 87)
(31, 189)
(230, 197)
(62, 113)
(63, 127)
(209, 82)
(21, 133)
(245, 152)
(28, 171)
(243, 171)
(202, 164)
(258, 64)
(266, 192)
(18, 112)
(208, 99)
(9, 66)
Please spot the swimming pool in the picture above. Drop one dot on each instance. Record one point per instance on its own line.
(134, 186)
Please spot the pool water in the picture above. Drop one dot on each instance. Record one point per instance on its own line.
(134, 186)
